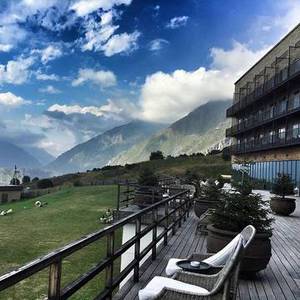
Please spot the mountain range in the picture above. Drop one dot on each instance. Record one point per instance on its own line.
(199, 131)
(98, 151)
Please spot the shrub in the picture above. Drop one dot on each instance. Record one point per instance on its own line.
(35, 179)
(44, 183)
(147, 178)
(235, 211)
(77, 183)
(283, 185)
(15, 181)
(210, 191)
(25, 179)
(156, 155)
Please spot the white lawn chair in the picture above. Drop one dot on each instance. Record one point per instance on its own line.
(217, 260)
(192, 286)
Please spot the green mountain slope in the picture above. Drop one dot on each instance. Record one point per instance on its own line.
(98, 151)
(197, 132)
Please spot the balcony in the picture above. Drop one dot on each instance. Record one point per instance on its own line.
(291, 138)
(262, 119)
(280, 80)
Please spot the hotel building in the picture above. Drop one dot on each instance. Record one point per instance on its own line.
(265, 113)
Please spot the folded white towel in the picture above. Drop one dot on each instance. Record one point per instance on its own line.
(217, 260)
(156, 285)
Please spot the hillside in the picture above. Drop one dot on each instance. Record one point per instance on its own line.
(11, 155)
(98, 151)
(196, 132)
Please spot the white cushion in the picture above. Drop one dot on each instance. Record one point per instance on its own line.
(220, 258)
(156, 285)
(217, 260)
(172, 267)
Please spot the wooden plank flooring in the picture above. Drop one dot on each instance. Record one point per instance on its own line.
(281, 279)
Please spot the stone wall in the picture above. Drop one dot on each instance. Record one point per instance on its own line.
(292, 153)
(9, 196)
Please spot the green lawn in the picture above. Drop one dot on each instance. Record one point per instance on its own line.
(30, 232)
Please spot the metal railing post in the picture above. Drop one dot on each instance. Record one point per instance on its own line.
(154, 233)
(166, 222)
(137, 249)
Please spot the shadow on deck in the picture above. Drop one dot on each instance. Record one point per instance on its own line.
(281, 279)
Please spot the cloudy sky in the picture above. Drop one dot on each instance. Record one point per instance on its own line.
(72, 69)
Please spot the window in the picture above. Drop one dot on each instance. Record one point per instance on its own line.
(281, 133)
(271, 111)
(282, 106)
(296, 131)
(297, 65)
(271, 136)
(296, 100)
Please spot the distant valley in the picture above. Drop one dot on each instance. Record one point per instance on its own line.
(199, 131)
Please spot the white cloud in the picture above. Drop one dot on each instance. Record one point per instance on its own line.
(121, 109)
(5, 47)
(9, 99)
(41, 76)
(97, 33)
(50, 89)
(10, 35)
(157, 44)
(97, 111)
(85, 7)
(100, 36)
(49, 53)
(16, 71)
(168, 97)
(102, 78)
(123, 42)
(177, 22)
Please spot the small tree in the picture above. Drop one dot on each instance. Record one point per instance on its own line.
(25, 179)
(283, 185)
(15, 181)
(235, 211)
(210, 191)
(147, 178)
(44, 183)
(35, 179)
(156, 155)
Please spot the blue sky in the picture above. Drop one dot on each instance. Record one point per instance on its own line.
(70, 70)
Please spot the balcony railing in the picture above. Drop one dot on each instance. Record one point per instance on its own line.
(290, 138)
(280, 79)
(262, 119)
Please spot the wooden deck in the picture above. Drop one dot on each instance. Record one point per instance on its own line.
(281, 279)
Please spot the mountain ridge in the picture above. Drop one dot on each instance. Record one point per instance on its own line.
(196, 132)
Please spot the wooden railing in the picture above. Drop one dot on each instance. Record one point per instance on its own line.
(175, 209)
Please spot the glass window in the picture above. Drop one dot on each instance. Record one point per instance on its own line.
(296, 100)
(296, 131)
(281, 133)
(282, 106)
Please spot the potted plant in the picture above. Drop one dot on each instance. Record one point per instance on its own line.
(282, 187)
(236, 210)
(207, 197)
(147, 191)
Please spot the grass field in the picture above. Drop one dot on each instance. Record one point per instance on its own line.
(30, 232)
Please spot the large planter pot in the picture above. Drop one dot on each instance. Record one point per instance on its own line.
(144, 196)
(282, 206)
(201, 206)
(257, 255)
